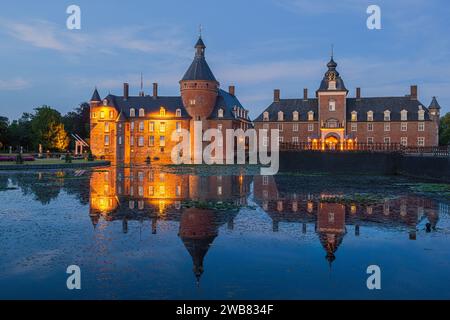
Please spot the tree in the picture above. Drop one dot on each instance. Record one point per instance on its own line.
(19, 132)
(48, 129)
(4, 125)
(444, 130)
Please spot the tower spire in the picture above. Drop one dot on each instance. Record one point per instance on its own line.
(332, 51)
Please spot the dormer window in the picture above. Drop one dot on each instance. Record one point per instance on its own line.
(220, 113)
(178, 113)
(404, 115)
(387, 115)
(162, 112)
(332, 105)
(141, 112)
(266, 116)
(280, 115)
(105, 102)
(354, 116)
(421, 114)
(370, 116)
(295, 116)
(132, 112)
(311, 116)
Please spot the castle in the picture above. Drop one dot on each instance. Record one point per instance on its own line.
(134, 129)
(138, 129)
(332, 119)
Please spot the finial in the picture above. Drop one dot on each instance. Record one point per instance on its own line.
(142, 82)
(200, 30)
(332, 51)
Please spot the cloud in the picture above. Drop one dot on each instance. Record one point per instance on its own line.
(47, 35)
(14, 84)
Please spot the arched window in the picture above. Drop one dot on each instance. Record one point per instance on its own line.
(220, 113)
(141, 112)
(295, 116)
(132, 112)
(266, 116)
(404, 115)
(178, 113)
(162, 112)
(311, 116)
(369, 115)
(387, 115)
(280, 115)
(354, 116)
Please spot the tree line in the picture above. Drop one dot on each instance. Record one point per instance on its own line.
(44, 126)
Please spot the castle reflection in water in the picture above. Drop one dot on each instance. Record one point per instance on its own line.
(149, 194)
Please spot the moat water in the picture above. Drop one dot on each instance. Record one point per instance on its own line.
(221, 233)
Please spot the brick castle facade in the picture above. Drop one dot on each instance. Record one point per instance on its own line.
(332, 119)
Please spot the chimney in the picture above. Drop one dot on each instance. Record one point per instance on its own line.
(155, 90)
(231, 90)
(305, 94)
(126, 91)
(276, 95)
(358, 93)
(413, 94)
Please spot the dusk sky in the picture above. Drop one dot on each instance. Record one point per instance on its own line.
(255, 45)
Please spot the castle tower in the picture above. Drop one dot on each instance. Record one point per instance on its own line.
(435, 113)
(199, 87)
(332, 97)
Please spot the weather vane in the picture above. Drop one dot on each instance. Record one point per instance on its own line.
(200, 30)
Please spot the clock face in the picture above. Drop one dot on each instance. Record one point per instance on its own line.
(331, 76)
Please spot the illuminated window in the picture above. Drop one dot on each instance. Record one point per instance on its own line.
(295, 127)
(132, 112)
(162, 141)
(141, 141)
(162, 112)
(421, 126)
(178, 113)
(131, 141)
(162, 190)
(220, 113)
(387, 115)
(370, 116)
(266, 116)
(102, 114)
(178, 126)
(295, 116)
(219, 190)
(141, 126)
(354, 127)
(404, 115)
(151, 126)
(94, 115)
(332, 105)
(107, 140)
(162, 127)
(310, 127)
(111, 114)
(132, 126)
(192, 102)
(178, 191)
(141, 112)
(106, 126)
(151, 190)
(387, 127)
(311, 116)
(387, 140)
(120, 140)
(151, 141)
(354, 116)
